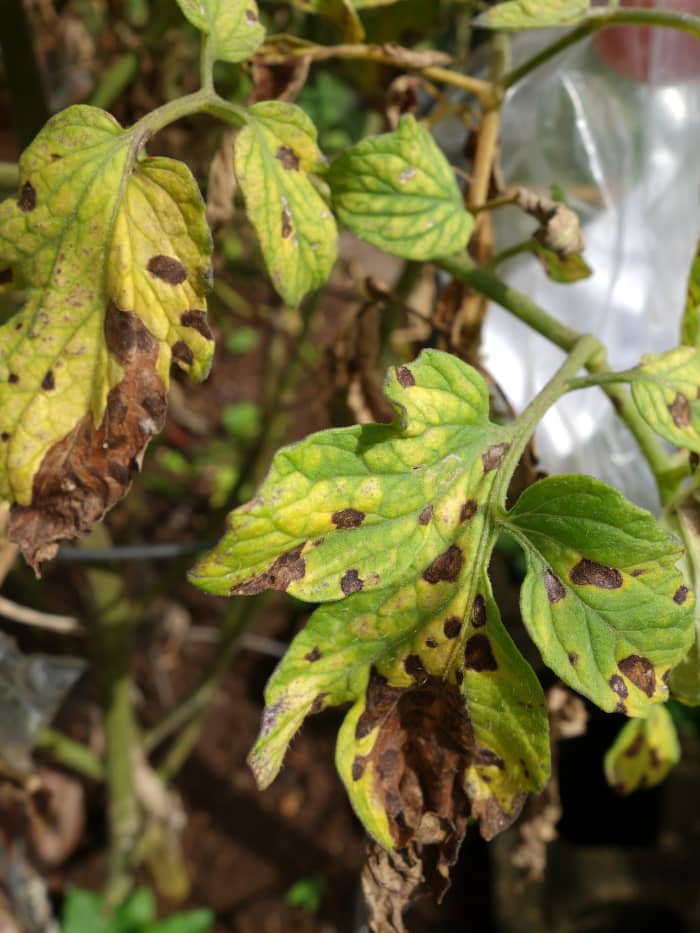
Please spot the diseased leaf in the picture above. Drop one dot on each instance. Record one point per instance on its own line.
(113, 252)
(685, 521)
(602, 598)
(273, 155)
(395, 518)
(233, 26)
(690, 327)
(398, 192)
(517, 15)
(643, 753)
(562, 269)
(666, 391)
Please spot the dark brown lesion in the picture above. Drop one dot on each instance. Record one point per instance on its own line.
(446, 567)
(553, 587)
(86, 473)
(348, 518)
(288, 158)
(313, 655)
(680, 411)
(479, 617)
(478, 654)
(639, 671)
(27, 198)
(168, 269)
(198, 321)
(284, 570)
(351, 583)
(287, 227)
(468, 510)
(590, 573)
(493, 456)
(405, 377)
(426, 515)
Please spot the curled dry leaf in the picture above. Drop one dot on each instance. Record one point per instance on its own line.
(113, 252)
(401, 98)
(279, 80)
(559, 228)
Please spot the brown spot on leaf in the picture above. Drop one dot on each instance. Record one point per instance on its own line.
(287, 228)
(589, 573)
(479, 611)
(654, 758)
(379, 702)
(82, 476)
(4, 436)
(288, 158)
(5, 276)
(347, 518)
(318, 702)
(618, 685)
(640, 671)
(350, 582)
(358, 767)
(425, 515)
(251, 17)
(287, 568)
(313, 655)
(13, 378)
(573, 658)
(414, 668)
(445, 567)
(478, 655)
(680, 595)
(182, 353)
(485, 756)
(167, 269)
(635, 746)
(493, 456)
(48, 382)
(680, 411)
(126, 335)
(452, 627)
(620, 708)
(468, 510)
(554, 587)
(27, 198)
(198, 320)
(638, 572)
(405, 377)
(431, 643)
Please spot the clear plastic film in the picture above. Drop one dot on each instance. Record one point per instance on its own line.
(615, 123)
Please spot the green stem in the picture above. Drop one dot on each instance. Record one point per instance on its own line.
(70, 754)
(206, 64)
(193, 712)
(522, 307)
(204, 101)
(526, 246)
(601, 19)
(585, 349)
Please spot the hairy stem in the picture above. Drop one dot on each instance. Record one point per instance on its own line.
(74, 755)
(522, 307)
(601, 19)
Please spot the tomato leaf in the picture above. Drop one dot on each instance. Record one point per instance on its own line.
(274, 154)
(602, 598)
(113, 252)
(389, 527)
(398, 192)
(665, 389)
(518, 15)
(643, 753)
(690, 327)
(562, 269)
(233, 26)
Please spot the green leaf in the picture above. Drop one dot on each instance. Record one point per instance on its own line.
(191, 921)
(666, 390)
(643, 753)
(113, 252)
(602, 598)
(307, 893)
(533, 14)
(398, 192)
(233, 26)
(690, 327)
(82, 910)
(273, 155)
(389, 526)
(562, 269)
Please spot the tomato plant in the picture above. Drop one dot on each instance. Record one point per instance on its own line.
(388, 529)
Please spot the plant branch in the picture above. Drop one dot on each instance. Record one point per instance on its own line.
(74, 755)
(601, 19)
(522, 307)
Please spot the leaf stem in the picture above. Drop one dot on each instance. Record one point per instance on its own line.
(74, 755)
(601, 19)
(206, 64)
(463, 268)
(586, 348)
